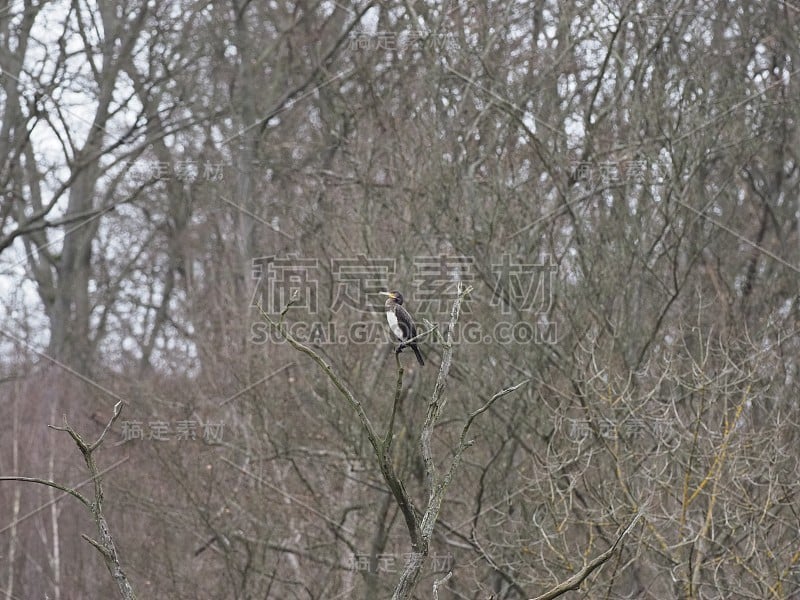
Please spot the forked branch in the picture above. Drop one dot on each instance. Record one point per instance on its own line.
(105, 545)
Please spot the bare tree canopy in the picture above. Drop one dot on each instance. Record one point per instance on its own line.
(592, 211)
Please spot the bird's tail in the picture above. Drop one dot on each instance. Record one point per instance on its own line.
(419, 355)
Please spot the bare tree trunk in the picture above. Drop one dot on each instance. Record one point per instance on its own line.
(55, 552)
(15, 503)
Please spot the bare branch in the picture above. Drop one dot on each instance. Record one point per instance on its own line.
(574, 582)
(396, 486)
(387, 441)
(436, 403)
(74, 493)
(106, 545)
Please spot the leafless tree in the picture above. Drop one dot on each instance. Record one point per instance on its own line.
(618, 184)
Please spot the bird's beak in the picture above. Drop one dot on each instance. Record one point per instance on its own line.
(390, 294)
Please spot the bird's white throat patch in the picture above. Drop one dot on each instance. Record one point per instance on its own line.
(394, 325)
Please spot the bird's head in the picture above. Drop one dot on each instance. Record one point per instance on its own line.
(396, 296)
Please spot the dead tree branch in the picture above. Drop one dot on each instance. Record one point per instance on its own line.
(106, 545)
(574, 582)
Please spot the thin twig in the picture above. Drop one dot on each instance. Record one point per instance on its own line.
(440, 582)
(74, 493)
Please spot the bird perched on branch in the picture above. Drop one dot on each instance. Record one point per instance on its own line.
(401, 323)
